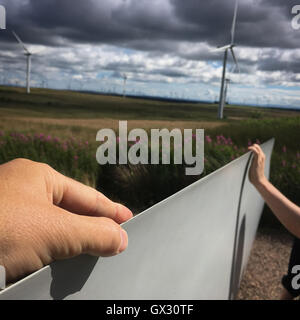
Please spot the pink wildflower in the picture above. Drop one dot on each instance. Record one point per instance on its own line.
(284, 149)
(208, 139)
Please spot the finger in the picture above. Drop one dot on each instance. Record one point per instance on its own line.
(260, 153)
(77, 234)
(251, 148)
(79, 198)
(255, 151)
(255, 147)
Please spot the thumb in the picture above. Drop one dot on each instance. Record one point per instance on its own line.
(77, 234)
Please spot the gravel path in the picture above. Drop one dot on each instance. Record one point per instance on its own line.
(268, 262)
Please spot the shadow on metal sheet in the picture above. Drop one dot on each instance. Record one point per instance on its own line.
(238, 261)
(69, 276)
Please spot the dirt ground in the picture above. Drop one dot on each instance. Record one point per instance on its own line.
(267, 264)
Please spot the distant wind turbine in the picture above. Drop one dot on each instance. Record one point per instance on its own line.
(44, 83)
(28, 54)
(124, 84)
(225, 49)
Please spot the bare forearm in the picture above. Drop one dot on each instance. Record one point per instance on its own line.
(286, 211)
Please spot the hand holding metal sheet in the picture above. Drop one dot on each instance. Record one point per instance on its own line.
(193, 245)
(46, 216)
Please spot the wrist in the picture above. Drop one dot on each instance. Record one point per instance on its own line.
(262, 183)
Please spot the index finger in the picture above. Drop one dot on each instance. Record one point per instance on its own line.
(78, 198)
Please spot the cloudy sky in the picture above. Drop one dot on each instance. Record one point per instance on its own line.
(163, 46)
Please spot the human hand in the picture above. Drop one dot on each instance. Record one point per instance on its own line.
(256, 172)
(45, 216)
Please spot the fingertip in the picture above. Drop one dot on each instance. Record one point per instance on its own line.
(124, 240)
(123, 213)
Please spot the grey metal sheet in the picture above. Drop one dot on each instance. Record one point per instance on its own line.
(193, 245)
(251, 206)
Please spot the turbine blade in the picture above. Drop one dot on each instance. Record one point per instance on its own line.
(233, 68)
(234, 59)
(37, 52)
(221, 48)
(234, 22)
(21, 43)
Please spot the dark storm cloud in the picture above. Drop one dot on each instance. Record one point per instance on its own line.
(284, 5)
(259, 23)
(89, 21)
(292, 66)
(157, 26)
(139, 23)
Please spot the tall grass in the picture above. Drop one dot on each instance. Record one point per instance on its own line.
(71, 157)
(140, 186)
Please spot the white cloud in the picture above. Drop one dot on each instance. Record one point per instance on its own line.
(97, 68)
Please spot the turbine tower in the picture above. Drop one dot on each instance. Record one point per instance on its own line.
(124, 84)
(28, 54)
(227, 82)
(225, 49)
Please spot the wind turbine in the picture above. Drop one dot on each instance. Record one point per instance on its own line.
(227, 82)
(124, 84)
(28, 54)
(225, 49)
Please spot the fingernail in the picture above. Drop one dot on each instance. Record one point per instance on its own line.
(124, 241)
(123, 213)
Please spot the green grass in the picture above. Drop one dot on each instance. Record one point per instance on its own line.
(71, 157)
(141, 186)
(285, 130)
(66, 104)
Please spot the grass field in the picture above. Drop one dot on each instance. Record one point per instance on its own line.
(75, 105)
(59, 127)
